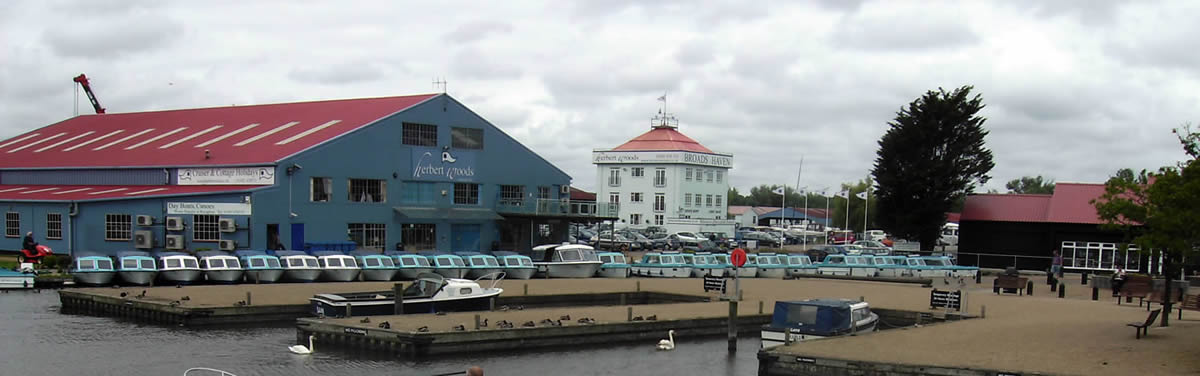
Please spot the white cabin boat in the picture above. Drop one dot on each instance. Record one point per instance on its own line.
(220, 267)
(178, 268)
(337, 267)
(797, 321)
(299, 266)
(566, 260)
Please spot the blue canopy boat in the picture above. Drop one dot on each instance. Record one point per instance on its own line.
(798, 265)
(375, 266)
(795, 321)
(93, 270)
(770, 266)
(220, 267)
(259, 267)
(299, 266)
(136, 267)
(480, 265)
(516, 266)
(448, 265)
(409, 265)
(665, 264)
(614, 265)
(705, 264)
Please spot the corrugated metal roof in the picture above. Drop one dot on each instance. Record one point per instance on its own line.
(582, 195)
(108, 192)
(236, 135)
(737, 209)
(1070, 203)
(663, 139)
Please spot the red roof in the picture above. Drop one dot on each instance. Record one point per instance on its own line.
(1070, 203)
(663, 139)
(582, 195)
(953, 217)
(14, 192)
(235, 135)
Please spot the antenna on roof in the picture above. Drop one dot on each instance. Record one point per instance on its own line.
(664, 119)
(440, 82)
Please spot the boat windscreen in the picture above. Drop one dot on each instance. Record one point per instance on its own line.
(423, 262)
(85, 265)
(312, 263)
(332, 263)
(490, 261)
(233, 263)
(861, 314)
(569, 255)
(650, 259)
(935, 262)
(836, 260)
(258, 263)
(371, 262)
(349, 262)
(146, 264)
(526, 262)
(273, 263)
(457, 262)
(387, 262)
(190, 263)
(172, 263)
(295, 262)
(423, 288)
(722, 259)
(700, 260)
(214, 263)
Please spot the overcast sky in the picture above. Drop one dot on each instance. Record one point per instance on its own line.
(1074, 89)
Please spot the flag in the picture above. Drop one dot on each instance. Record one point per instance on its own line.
(778, 191)
(663, 98)
(861, 195)
(843, 194)
(802, 190)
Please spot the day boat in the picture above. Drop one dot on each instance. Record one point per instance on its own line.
(136, 268)
(705, 264)
(409, 265)
(336, 266)
(220, 267)
(797, 321)
(480, 265)
(769, 266)
(665, 264)
(614, 265)
(428, 294)
(375, 266)
(178, 268)
(846, 265)
(566, 260)
(93, 270)
(750, 269)
(798, 265)
(14, 279)
(298, 266)
(890, 266)
(722, 259)
(516, 266)
(946, 267)
(448, 265)
(259, 267)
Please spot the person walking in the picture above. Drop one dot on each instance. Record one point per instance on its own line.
(1056, 265)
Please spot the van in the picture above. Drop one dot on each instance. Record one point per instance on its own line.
(949, 234)
(876, 235)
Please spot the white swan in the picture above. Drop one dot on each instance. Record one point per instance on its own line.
(300, 349)
(668, 344)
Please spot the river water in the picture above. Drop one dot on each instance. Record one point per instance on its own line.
(38, 340)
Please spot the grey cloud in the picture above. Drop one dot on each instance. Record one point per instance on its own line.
(473, 64)
(474, 31)
(136, 34)
(695, 52)
(906, 30)
(338, 74)
(1089, 12)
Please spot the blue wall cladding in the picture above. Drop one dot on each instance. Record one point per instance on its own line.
(153, 176)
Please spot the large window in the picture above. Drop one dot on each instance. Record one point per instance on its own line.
(368, 235)
(660, 177)
(206, 228)
(708, 200)
(12, 224)
(466, 138)
(687, 174)
(544, 193)
(367, 190)
(1099, 256)
(614, 197)
(466, 194)
(708, 175)
(635, 219)
(687, 199)
(658, 219)
(420, 134)
(660, 201)
(118, 226)
(635, 197)
(637, 172)
(54, 226)
(720, 175)
(322, 189)
(614, 177)
(719, 200)
(512, 194)
(418, 236)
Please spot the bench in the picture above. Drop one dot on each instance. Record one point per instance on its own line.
(1135, 286)
(1189, 302)
(1144, 327)
(1157, 297)
(1008, 283)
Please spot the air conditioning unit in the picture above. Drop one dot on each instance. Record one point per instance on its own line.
(228, 245)
(227, 225)
(175, 223)
(143, 239)
(145, 220)
(566, 189)
(174, 242)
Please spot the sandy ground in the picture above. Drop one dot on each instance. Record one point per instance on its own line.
(1038, 333)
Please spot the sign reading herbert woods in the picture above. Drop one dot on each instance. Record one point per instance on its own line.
(226, 176)
(208, 208)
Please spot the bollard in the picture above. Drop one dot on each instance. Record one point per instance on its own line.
(1050, 278)
(978, 277)
(1062, 290)
(492, 304)
(628, 313)
(526, 289)
(398, 304)
(760, 307)
(1029, 288)
(348, 307)
(862, 298)
(248, 298)
(1054, 287)
(1083, 278)
(733, 308)
(1095, 293)
(622, 299)
(983, 311)
(477, 322)
(639, 286)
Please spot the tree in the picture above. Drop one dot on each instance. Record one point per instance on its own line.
(1158, 210)
(733, 198)
(1030, 185)
(932, 155)
(838, 207)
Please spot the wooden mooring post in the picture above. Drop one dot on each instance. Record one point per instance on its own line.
(398, 304)
(733, 333)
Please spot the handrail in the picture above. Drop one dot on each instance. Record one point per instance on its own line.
(495, 281)
(222, 373)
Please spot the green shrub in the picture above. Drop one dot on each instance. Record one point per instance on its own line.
(64, 262)
(48, 262)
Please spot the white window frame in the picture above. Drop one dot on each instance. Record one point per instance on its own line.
(118, 227)
(720, 175)
(54, 229)
(328, 191)
(687, 199)
(614, 177)
(637, 172)
(708, 201)
(635, 219)
(635, 197)
(658, 219)
(12, 224)
(206, 228)
(614, 197)
(660, 202)
(660, 177)
(688, 174)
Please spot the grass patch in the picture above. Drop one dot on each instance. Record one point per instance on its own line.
(8, 265)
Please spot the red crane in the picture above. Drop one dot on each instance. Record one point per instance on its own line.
(83, 81)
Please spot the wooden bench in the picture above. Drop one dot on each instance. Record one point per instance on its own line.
(1144, 327)
(1189, 302)
(1005, 283)
(1157, 297)
(1135, 286)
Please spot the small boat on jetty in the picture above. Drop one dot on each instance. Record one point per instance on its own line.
(136, 268)
(480, 265)
(93, 270)
(566, 260)
(220, 267)
(516, 266)
(409, 265)
(939, 266)
(336, 266)
(375, 266)
(13, 279)
(795, 321)
(769, 266)
(448, 265)
(890, 266)
(846, 265)
(705, 264)
(749, 269)
(428, 294)
(613, 265)
(798, 265)
(178, 268)
(665, 264)
(299, 266)
(259, 267)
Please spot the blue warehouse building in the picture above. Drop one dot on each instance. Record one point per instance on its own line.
(418, 172)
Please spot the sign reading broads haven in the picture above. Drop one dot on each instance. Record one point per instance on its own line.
(683, 157)
(208, 208)
(226, 176)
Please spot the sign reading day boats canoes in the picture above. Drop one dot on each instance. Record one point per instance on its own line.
(684, 157)
(226, 176)
(443, 165)
(208, 208)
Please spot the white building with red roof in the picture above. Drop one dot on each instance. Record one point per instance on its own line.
(665, 178)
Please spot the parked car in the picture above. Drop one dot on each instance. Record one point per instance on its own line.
(873, 247)
(614, 242)
(640, 241)
(876, 235)
(841, 237)
(720, 239)
(662, 240)
(763, 239)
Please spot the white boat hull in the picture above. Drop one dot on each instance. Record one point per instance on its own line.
(519, 273)
(451, 272)
(792, 272)
(662, 272)
(476, 273)
(140, 277)
(301, 275)
(17, 282)
(179, 275)
(379, 274)
(94, 278)
(711, 272)
(888, 272)
(771, 272)
(749, 272)
(412, 273)
(224, 276)
(862, 272)
(263, 275)
(339, 274)
(835, 271)
(569, 269)
(613, 272)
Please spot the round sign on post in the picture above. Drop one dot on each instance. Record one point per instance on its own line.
(738, 257)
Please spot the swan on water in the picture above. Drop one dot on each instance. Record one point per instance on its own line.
(668, 344)
(300, 349)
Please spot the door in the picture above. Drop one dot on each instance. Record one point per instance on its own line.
(298, 236)
(273, 237)
(466, 238)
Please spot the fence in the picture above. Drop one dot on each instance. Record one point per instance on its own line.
(1001, 261)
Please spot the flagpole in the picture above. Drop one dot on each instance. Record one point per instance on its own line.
(803, 230)
(783, 212)
(827, 216)
(847, 212)
(866, 205)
